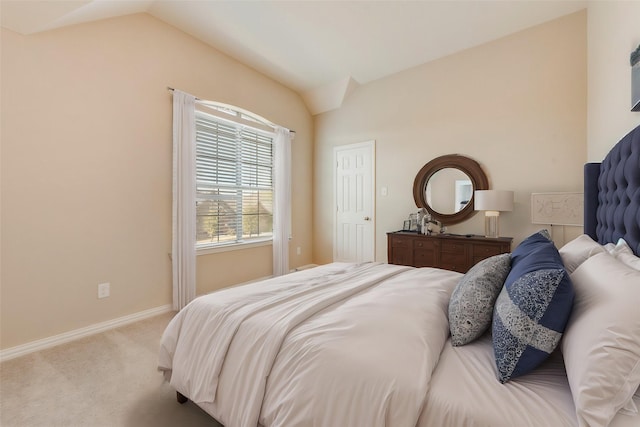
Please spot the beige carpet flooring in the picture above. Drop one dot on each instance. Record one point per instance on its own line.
(108, 379)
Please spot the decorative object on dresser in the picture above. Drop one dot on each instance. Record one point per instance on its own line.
(493, 202)
(447, 251)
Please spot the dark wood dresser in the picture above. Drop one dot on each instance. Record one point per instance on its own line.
(448, 251)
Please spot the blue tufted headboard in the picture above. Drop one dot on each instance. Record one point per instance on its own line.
(612, 194)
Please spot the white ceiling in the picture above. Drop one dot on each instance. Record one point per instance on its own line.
(319, 48)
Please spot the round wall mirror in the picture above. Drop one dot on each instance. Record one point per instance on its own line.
(445, 186)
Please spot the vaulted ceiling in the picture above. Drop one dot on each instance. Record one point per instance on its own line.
(321, 49)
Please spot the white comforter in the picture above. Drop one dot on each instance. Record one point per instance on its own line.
(338, 345)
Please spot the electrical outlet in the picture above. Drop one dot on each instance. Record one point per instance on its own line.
(298, 250)
(104, 290)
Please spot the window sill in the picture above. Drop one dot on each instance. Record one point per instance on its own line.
(232, 247)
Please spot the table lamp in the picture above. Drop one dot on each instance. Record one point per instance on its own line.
(492, 202)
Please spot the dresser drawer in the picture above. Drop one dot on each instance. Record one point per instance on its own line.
(452, 247)
(425, 258)
(454, 261)
(453, 258)
(401, 242)
(424, 244)
(485, 251)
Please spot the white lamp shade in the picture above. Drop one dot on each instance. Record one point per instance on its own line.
(493, 200)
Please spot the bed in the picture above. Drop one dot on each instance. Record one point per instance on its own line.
(385, 345)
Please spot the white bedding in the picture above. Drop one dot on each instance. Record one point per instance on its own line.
(464, 392)
(258, 354)
(316, 348)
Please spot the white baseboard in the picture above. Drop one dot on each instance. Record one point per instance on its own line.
(305, 267)
(21, 350)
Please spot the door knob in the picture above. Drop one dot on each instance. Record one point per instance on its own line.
(366, 218)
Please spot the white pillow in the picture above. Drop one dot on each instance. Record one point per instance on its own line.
(578, 250)
(601, 344)
(620, 246)
(613, 248)
(623, 253)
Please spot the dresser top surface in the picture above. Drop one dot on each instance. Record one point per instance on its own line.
(466, 237)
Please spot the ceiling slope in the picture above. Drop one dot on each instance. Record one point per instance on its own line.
(320, 49)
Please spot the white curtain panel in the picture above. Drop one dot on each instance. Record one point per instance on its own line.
(282, 201)
(184, 199)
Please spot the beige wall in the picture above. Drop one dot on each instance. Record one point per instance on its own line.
(613, 33)
(86, 170)
(516, 105)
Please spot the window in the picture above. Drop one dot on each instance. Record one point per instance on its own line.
(234, 181)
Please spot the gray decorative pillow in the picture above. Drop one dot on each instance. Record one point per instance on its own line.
(472, 300)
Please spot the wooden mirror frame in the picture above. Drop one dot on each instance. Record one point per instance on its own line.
(466, 165)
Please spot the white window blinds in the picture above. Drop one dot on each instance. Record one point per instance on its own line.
(234, 182)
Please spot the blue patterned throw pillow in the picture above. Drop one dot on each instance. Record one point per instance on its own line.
(532, 309)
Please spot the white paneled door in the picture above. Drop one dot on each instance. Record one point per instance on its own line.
(354, 201)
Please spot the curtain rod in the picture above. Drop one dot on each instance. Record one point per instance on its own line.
(268, 123)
